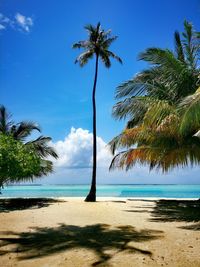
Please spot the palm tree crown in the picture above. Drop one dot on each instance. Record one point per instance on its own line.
(98, 43)
(162, 106)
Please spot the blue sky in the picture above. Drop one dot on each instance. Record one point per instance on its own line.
(39, 80)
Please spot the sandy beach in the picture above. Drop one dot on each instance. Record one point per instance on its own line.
(111, 232)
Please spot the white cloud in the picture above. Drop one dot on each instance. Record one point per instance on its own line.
(2, 27)
(75, 162)
(75, 151)
(19, 22)
(4, 22)
(25, 23)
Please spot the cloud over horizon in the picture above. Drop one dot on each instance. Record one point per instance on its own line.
(75, 161)
(75, 151)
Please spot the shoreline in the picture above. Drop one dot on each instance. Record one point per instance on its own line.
(103, 198)
(97, 184)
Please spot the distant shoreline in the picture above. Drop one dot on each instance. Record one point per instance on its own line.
(168, 191)
(97, 184)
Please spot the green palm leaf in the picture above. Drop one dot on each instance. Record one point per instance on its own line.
(190, 109)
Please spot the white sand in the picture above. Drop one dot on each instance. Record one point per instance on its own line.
(111, 232)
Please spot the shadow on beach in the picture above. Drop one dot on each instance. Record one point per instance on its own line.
(172, 211)
(98, 238)
(178, 210)
(11, 204)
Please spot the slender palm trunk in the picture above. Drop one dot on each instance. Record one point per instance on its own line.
(91, 197)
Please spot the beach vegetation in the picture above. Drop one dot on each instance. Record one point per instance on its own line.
(22, 160)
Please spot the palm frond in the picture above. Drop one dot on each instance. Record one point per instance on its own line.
(115, 143)
(105, 59)
(5, 120)
(46, 167)
(91, 29)
(157, 112)
(23, 129)
(141, 84)
(133, 107)
(157, 158)
(164, 58)
(111, 54)
(81, 44)
(132, 87)
(190, 109)
(83, 58)
(42, 148)
(179, 47)
(190, 48)
(108, 41)
(129, 137)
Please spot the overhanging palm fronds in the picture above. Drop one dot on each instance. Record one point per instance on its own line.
(41, 146)
(162, 105)
(23, 129)
(165, 156)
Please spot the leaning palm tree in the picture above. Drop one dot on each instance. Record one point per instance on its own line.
(21, 131)
(97, 45)
(162, 107)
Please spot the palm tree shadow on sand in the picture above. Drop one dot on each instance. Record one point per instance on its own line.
(165, 210)
(178, 210)
(98, 238)
(11, 204)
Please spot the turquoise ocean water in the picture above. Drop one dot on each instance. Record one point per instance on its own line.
(161, 191)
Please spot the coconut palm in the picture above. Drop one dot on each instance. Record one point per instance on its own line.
(97, 45)
(21, 131)
(159, 104)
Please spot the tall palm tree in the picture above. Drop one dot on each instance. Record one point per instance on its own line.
(21, 131)
(162, 107)
(97, 45)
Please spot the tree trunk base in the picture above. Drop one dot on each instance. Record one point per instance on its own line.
(91, 197)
